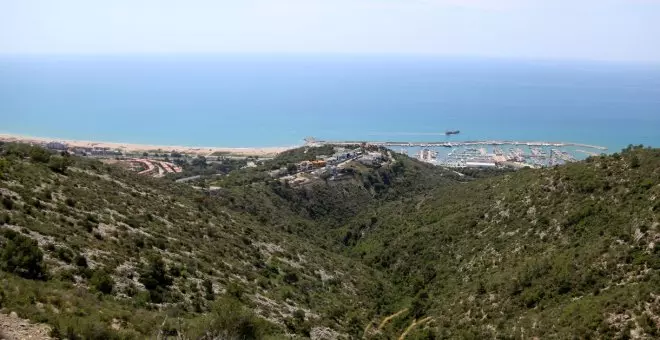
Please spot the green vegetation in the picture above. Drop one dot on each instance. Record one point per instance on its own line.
(21, 256)
(380, 251)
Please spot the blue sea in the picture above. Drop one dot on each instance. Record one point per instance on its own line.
(279, 100)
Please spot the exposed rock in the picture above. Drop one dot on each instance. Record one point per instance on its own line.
(14, 328)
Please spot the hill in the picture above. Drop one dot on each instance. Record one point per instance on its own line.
(96, 251)
(569, 251)
(387, 249)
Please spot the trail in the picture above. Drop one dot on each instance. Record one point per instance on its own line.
(387, 319)
(413, 325)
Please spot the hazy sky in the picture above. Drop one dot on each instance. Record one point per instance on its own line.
(618, 30)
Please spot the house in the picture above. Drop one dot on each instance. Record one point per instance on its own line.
(82, 151)
(57, 146)
(372, 158)
(309, 165)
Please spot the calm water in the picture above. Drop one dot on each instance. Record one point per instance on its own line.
(271, 101)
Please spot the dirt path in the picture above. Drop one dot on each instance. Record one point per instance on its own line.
(413, 325)
(387, 319)
(14, 328)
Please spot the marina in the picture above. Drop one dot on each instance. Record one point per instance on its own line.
(486, 153)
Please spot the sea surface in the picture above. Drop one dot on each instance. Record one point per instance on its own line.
(279, 100)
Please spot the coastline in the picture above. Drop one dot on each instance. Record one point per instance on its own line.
(133, 147)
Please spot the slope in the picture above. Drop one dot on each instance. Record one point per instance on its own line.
(97, 252)
(569, 251)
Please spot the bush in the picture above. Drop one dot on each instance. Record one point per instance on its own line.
(155, 279)
(7, 203)
(39, 155)
(21, 255)
(208, 289)
(81, 261)
(229, 320)
(291, 277)
(4, 167)
(234, 290)
(64, 254)
(102, 281)
(59, 163)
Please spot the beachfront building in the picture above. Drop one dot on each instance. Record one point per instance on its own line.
(57, 146)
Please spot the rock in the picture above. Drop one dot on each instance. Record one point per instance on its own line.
(14, 328)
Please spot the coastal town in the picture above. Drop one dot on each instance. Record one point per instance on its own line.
(155, 165)
(159, 161)
(147, 160)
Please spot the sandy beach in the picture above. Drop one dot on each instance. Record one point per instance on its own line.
(130, 147)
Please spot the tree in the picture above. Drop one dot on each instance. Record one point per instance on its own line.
(291, 168)
(21, 255)
(634, 161)
(40, 155)
(200, 161)
(155, 279)
(59, 163)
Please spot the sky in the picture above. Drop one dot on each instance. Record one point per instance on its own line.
(606, 30)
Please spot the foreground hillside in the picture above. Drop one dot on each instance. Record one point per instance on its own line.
(397, 249)
(95, 251)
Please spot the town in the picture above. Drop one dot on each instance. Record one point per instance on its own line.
(332, 167)
(468, 154)
(154, 164)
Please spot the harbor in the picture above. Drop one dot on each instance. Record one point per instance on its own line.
(485, 153)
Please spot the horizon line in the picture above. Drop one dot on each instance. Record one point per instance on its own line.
(421, 55)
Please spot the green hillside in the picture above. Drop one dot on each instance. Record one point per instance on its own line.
(564, 252)
(395, 249)
(102, 251)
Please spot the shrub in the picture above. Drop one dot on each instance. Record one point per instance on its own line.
(7, 203)
(634, 161)
(5, 219)
(102, 281)
(59, 163)
(229, 320)
(291, 277)
(234, 290)
(208, 289)
(80, 261)
(156, 279)
(39, 155)
(4, 167)
(21, 256)
(64, 254)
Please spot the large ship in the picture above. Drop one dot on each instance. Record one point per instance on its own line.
(452, 132)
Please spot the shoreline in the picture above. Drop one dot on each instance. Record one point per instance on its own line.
(136, 147)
